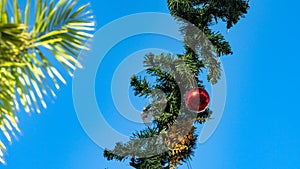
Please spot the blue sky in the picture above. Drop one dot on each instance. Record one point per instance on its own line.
(259, 128)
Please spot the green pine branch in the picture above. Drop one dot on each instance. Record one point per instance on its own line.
(170, 138)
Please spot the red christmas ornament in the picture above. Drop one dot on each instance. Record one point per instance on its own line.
(197, 100)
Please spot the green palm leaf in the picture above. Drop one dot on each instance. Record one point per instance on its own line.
(26, 72)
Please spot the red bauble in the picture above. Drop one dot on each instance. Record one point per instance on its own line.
(197, 100)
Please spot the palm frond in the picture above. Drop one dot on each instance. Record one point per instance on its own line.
(26, 72)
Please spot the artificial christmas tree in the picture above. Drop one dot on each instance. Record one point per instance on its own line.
(170, 137)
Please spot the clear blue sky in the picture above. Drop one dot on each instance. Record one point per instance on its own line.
(259, 128)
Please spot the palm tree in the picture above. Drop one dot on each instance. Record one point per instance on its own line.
(59, 30)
